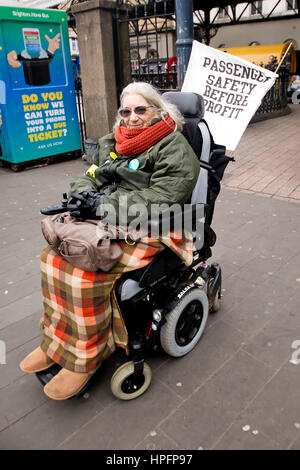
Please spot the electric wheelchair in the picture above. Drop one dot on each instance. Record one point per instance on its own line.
(165, 305)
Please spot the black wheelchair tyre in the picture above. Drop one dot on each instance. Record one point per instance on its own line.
(185, 323)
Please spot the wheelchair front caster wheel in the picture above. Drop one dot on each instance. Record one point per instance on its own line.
(215, 303)
(125, 385)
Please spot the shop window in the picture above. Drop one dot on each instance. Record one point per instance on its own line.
(256, 8)
(291, 4)
(223, 12)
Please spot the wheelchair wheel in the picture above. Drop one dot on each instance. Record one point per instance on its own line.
(185, 324)
(125, 386)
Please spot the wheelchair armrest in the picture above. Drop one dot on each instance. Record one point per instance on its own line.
(218, 151)
(184, 217)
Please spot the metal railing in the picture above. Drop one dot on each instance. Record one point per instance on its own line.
(156, 74)
(151, 30)
(277, 97)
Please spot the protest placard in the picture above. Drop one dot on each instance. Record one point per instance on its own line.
(232, 89)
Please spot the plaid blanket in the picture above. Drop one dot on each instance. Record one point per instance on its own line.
(82, 322)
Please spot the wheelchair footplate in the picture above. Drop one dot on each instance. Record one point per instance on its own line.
(46, 375)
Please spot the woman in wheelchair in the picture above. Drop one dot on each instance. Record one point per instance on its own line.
(145, 160)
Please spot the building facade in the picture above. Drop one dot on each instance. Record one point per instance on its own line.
(273, 31)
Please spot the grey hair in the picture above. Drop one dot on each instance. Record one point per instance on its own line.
(155, 99)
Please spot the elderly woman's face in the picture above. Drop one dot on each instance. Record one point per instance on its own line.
(136, 111)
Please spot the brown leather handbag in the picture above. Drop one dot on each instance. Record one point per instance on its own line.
(88, 245)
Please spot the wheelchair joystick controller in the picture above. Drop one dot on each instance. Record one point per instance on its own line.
(63, 207)
(64, 201)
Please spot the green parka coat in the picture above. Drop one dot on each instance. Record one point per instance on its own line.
(166, 173)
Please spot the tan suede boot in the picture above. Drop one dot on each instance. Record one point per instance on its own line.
(36, 361)
(66, 384)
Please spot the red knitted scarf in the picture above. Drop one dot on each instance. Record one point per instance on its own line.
(135, 141)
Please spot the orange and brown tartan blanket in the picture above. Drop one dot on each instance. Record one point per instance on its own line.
(82, 322)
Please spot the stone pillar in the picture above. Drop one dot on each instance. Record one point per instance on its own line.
(97, 64)
(123, 49)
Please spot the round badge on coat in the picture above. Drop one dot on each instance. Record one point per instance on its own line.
(134, 164)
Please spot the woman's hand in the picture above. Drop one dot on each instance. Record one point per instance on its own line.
(86, 203)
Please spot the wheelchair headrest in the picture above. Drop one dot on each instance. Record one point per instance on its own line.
(191, 105)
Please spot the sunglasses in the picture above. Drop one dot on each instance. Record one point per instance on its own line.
(139, 110)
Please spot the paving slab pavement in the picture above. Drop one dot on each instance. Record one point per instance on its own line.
(267, 158)
(238, 389)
